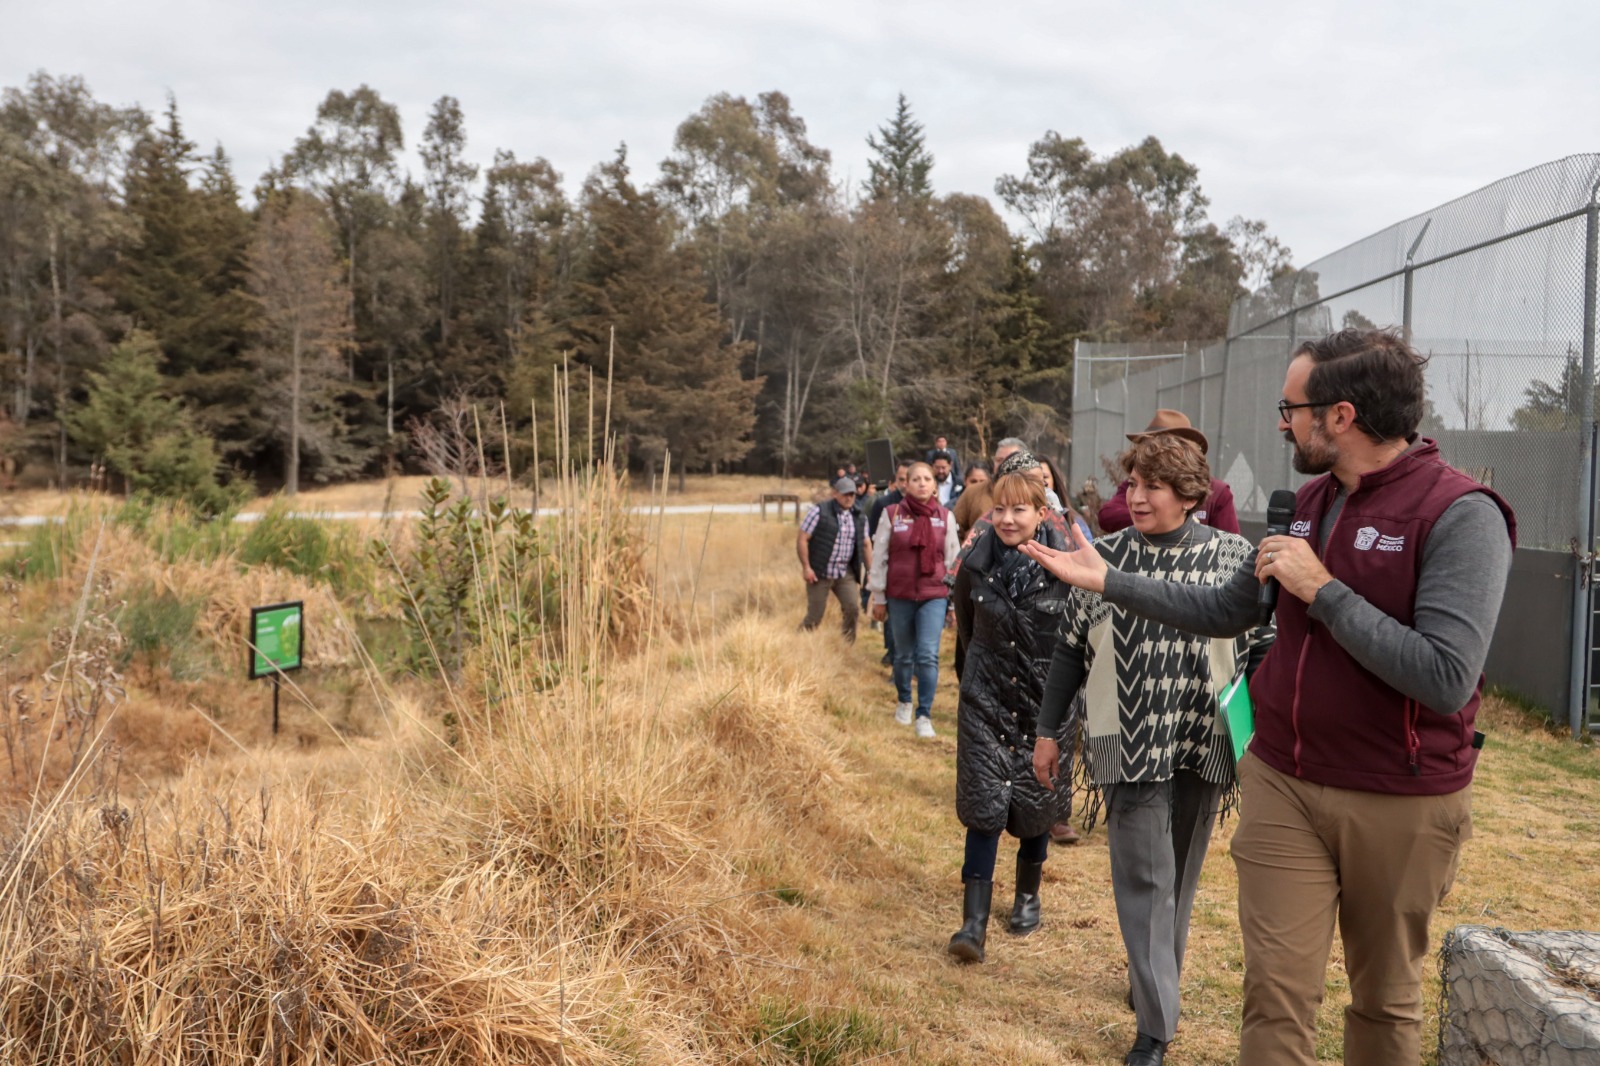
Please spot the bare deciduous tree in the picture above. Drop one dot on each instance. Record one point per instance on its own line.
(296, 279)
(461, 441)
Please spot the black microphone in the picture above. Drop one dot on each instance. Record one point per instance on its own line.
(1280, 513)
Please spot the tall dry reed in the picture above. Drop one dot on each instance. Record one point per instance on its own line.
(578, 848)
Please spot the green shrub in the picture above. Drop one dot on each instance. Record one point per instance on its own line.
(471, 576)
(174, 530)
(160, 627)
(319, 549)
(47, 550)
(147, 437)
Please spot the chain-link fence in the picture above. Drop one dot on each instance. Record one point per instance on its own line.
(1491, 286)
(1497, 287)
(1519, 999)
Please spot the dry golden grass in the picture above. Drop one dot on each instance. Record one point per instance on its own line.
(877, 946)
(563, 882)
(716, 848)
(404, 494)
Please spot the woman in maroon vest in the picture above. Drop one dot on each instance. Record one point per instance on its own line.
(915, 545)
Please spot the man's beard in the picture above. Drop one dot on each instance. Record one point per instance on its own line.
(1316, 456)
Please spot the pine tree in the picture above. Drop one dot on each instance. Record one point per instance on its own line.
(448, 182)
(676, 378)
(900, 172)
(183, 277)
(521, 251)
(144, 435)
(396, 282)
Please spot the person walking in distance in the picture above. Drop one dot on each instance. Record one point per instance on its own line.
(1006, 448)
(1356, 789)
(974, 502)
(1216, 510)
(946, 487)
(915, 546)
(834, 554)
(942, 444)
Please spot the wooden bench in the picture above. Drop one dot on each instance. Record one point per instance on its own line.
(780, 498)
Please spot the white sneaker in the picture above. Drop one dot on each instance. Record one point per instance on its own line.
(903, 713)
(925, 728)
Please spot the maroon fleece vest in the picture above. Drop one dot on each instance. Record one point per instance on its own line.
(1322, 716)
(905, 581)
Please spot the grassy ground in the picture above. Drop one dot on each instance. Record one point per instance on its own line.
(875, 940)
(405, 494)
(718, 848)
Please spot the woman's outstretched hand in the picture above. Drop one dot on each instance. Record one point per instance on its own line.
(1083, 568)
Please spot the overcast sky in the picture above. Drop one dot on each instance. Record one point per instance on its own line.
(1328, 120)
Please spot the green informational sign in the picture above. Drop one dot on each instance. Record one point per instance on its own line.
(277, 638)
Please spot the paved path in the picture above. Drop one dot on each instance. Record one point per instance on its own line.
(254, 516)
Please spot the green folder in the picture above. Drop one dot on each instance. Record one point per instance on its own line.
(1238, 715)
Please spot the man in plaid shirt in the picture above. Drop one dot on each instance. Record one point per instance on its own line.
(834, 553)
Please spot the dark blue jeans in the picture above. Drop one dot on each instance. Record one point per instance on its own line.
(984, 848)
(916, 627)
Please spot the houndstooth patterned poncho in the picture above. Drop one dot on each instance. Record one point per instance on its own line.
(1151, 690)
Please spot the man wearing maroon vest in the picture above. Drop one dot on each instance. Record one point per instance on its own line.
(1356, 789)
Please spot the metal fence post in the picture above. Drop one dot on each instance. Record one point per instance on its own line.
(1223, 438)
(1072, 426)
(1294, 342)
(1582, 609)
(1405, 306)
(1411, 257)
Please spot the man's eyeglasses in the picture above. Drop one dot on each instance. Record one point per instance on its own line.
(1284, 407)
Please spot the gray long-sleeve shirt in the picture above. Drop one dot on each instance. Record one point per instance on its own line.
(1436, 661)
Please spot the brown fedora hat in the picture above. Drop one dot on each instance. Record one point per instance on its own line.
(1175, 423)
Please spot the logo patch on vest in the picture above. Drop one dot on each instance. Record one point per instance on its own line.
(1368, 538)
(1199, 516)
(1301, 528)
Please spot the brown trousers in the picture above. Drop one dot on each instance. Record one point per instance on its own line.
(849, 595)
(1309, 855)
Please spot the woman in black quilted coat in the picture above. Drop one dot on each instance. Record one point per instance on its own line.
(1008, 611)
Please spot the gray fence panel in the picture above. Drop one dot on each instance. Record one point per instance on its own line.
(1533, 638)
(1492, 288)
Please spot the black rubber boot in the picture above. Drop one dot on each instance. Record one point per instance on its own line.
(1025, 909)
(967, 944)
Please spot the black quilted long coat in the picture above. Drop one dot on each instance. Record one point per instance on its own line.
(1009, 641)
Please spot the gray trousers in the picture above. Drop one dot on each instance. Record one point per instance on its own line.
(1158, 833)
(846, 591)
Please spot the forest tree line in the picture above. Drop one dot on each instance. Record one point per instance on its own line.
(741, 308)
